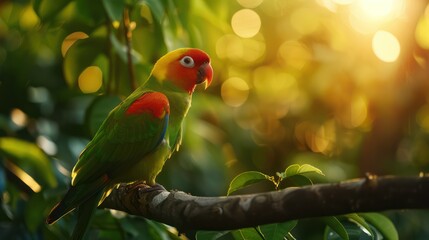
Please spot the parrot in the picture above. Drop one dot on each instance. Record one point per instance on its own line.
(137, 137)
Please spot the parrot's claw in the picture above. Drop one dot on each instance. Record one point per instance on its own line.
(155, 187)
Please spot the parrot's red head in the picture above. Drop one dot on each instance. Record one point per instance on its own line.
(185, 67)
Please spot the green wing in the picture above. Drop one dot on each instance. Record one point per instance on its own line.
(122, 140)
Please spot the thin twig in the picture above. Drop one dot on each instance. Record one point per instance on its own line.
(111, 61)
(128, 36)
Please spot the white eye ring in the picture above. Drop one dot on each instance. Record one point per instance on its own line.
(187, 62)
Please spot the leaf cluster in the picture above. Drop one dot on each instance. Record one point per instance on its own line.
(351, 226)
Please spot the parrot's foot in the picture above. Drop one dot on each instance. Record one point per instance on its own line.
(143, 187)
(155, 187)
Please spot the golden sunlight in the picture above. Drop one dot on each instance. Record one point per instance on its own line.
(343, 2)
(377, 9)
(367, 15)
(21, 174)
(246, 23)
(386, 46)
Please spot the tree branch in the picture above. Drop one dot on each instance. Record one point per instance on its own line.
(186, 212)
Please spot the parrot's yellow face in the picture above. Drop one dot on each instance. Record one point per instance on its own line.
(185, 67)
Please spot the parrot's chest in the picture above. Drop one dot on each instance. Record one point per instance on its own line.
(148, 167)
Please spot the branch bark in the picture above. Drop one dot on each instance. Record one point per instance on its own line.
(186, 212)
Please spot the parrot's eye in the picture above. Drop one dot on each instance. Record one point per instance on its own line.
(187, 62)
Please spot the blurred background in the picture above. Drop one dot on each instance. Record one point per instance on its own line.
(339, 84)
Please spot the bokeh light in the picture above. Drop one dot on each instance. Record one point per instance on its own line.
(379, 9)
(301, 21)
(90, 80)
(355, 113)
(234, 91)
(229, 47)
(70, 40)
(18, 117)
(47, 145)
(249, 3)
(294, 54)
(29, 18)
(422, 31)
(234, 48)
(323, 138)
(275, 86)
(246, 23)
(268, 130)
(319, 138)
(386, 46)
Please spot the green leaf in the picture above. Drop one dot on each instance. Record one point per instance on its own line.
(246, 234)
(299, 180)
(382, 224)
(289, 236)
(336, 226)
(278, 230)
(354, 232)
(138, 228)
(47, 9)
(295, 174)
(245, 179)
(114, 9)
(296, 169)
(28, 161)
(34, 211)
(354, 217)
(291, 170)
(307, 168)
(211, 235)
(157, 230)
(98, 111)
(156, 7)
(135, 228)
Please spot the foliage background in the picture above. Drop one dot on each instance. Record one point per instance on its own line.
(295, 82)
